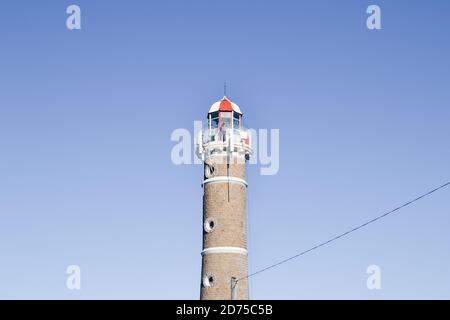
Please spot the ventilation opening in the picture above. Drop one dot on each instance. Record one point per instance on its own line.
(210, 170)
(208, 280)
(210, 225)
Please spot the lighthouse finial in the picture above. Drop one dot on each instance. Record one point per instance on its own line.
(225, 88)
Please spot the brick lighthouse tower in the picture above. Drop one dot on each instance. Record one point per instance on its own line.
(224, 146)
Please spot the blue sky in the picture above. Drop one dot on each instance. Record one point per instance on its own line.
(86, 117)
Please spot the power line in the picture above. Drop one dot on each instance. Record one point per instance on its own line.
(347, 232)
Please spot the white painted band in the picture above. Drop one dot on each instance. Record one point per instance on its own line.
(224, 250)
(225, 179)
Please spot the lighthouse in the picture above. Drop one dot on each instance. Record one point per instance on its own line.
(224, 146)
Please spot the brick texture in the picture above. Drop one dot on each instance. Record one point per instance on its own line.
(226, 204)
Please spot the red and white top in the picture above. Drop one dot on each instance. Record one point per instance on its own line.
(225, 105)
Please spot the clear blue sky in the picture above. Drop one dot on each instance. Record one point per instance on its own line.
(86, 116)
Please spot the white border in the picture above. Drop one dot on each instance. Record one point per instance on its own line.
(225, 179)
(224, 250)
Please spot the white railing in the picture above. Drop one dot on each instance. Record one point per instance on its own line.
(238, 140)
(224, 135)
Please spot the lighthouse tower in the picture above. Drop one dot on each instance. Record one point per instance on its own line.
(224, 146)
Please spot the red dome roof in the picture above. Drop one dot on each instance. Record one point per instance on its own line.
(225, 105)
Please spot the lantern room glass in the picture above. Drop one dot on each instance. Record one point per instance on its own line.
(225, 119)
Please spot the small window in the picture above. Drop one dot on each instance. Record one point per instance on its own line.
(236, 120)
(214, 119)
(214, 114)
(226, 120)
(209, 225)
(214, 123)
(208, 280)
(210, 170)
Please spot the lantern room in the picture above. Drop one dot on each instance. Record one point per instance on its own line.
(225, 114)
(224, 132)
